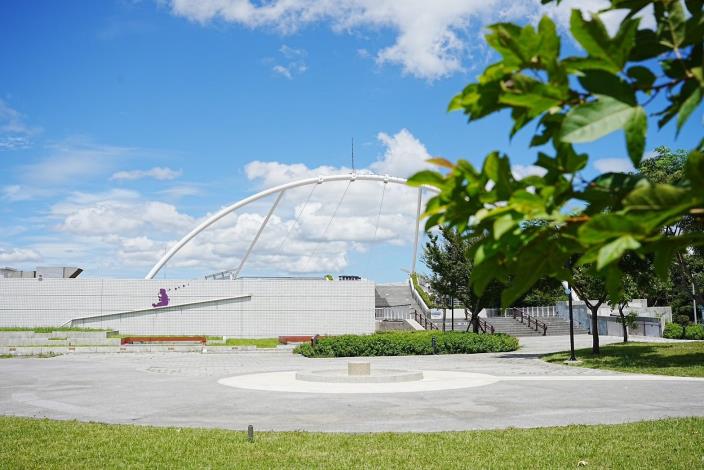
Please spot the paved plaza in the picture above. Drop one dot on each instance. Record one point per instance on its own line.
(183, 389)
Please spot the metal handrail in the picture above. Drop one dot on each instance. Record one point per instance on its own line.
(423, 320)
(535, 322)
(484, 326)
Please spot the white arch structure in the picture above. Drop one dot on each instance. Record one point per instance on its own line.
(281, 189)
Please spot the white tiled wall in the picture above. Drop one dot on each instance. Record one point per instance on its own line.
(276, 306)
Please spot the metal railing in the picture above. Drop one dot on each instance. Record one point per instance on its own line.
(532, 322)
(545, 311)
(485, 327)
(395, 312)
(424, 320)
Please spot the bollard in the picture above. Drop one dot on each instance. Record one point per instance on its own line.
(435, 345)
(250, 433)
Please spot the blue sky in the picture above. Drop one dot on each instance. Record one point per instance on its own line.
(125, 123)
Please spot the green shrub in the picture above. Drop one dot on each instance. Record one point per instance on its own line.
(417, 343)
(675, 331)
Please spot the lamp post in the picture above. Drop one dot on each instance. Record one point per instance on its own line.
(694, 303)
(569, 303)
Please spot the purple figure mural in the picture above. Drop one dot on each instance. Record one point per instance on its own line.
(163, 299)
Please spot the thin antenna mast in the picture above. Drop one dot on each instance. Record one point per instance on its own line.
(352, 154)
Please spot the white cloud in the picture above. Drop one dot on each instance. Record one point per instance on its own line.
(68, 164)
(181, 190)
(19, 255)
(294, 62)
(429, 39)
(433, 39)
(613, 165)
(521, 171)
(158, 173)
(117, 212)
(71, 162)
(15, 133)
(404, 155)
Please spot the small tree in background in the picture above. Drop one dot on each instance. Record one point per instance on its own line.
(447, 255)
(590, 288)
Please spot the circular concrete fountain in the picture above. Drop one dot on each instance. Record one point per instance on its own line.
(360, 372)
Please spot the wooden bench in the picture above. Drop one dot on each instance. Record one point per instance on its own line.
(296, 339)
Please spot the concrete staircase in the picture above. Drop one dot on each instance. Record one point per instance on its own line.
(513, 327)
(556, 326)
(559, 326)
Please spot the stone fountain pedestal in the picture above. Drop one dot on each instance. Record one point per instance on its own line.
(360, 372)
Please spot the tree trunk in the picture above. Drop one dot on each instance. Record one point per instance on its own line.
(475, 315)
(623, 323)
(595, 328)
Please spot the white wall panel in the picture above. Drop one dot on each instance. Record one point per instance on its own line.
(276, 306)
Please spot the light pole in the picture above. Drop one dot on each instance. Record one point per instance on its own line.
(569, 303)
(694, 303)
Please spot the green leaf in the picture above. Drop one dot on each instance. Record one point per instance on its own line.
(615, 250)
(603, 227)
(538, 98)
(526, 202)
(429, 177)
(689, 105)
(596, 119)
(643, 76)
(549, 47)
(673, 33)
(655, 197)
(478, 100)
(614, 283)
(600, 82)
(498, 169)
(636, 129)
(695, 168)
(502, 225)
(663, 260)
(594, 38)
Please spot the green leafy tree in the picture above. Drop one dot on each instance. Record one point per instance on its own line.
(591, 289)
(687, 271)
(447, 255)
(524, 227)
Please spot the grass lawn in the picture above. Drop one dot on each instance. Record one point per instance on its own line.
(48, 329)
(683, 359)
(32, 443)
(29, 356)
(258, 342)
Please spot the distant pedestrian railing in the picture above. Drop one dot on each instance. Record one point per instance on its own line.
(546, 311)
(424, 321)
(396, 312)
(532, 322)
(485, 327)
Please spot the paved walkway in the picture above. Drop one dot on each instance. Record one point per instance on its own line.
(182, 389)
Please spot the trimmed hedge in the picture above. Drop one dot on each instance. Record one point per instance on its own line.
(674, 331)
(418, 343)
